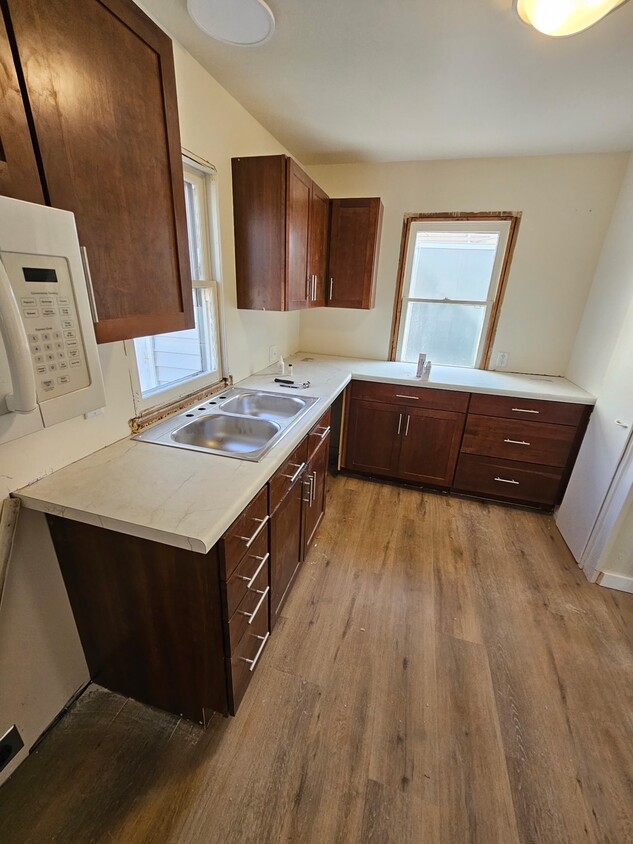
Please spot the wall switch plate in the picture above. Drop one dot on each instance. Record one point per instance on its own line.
(502, 360)
(273, 354)
(10, 745)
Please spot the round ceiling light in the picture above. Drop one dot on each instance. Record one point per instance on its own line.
(564, 17)
(238, 22)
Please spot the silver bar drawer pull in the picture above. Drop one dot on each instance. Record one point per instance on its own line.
(251, 615)
(251, 580)
(524, 410)
(325, 433)
(308, 483)
(506, 481)
(414, 398)
(250, 539)
(253, 662)
(406, 430)
(399, 423)
(517, 442)
(331, 288)
(300, 468)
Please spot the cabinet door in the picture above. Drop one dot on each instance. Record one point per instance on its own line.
(19, 177)
(430, 445)
(101, 84)
(315, 484)
(319, 225)
(355, 226)
(373, 437)
(285, 548)
(299, 189)
(259, 223)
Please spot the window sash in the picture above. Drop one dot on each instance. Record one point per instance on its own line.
(502, 227)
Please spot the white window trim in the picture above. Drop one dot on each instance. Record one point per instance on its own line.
(503, 227)
(187, 386)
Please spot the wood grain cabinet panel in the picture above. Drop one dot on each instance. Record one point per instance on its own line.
(280, 224)
(101, 88)
(508, 480)
(531, 442)
(285, 548)
(355, 228)
(373, 438)
(19, 175)
(315, 491)
(429, 447)
(528, 410)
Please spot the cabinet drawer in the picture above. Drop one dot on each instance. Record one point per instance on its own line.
(247, 656)
(238, 583)
(244, 531)
(287, 474)
(405, 394)
(560, 413)
(516, 439)
(319, 433)
(254, 602)
(487, 476)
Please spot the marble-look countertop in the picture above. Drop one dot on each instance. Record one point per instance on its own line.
(188, 499)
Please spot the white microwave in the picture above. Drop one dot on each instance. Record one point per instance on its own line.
(49, 362)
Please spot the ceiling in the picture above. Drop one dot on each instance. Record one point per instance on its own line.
(403, 80)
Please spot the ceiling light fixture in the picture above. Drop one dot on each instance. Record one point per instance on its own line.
(237, 22)
(564, 17)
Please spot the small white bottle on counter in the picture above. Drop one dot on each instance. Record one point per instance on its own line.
(421, 361)
(281, 366)
(426, 373)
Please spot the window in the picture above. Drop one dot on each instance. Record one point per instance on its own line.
(451, 286)
(172, 365)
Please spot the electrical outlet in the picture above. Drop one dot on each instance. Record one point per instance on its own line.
(10, 744)
(502, 360)
(273, 354)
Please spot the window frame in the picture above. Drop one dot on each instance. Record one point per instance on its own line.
(197, 168)
(455, 221)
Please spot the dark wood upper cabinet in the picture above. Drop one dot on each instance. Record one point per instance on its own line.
(19, 176)
(281, 231)
(355, 227)
(101, 87)
(299, 191)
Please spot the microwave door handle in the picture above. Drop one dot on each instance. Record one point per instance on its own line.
(24, 398)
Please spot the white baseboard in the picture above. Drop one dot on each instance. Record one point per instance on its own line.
(622, 582)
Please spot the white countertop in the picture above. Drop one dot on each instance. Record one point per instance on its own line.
(188, 499)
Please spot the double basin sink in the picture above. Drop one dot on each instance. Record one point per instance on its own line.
(238, 423)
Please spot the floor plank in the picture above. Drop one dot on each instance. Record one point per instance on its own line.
(442, 673)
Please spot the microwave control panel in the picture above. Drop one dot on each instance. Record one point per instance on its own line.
(43, 290)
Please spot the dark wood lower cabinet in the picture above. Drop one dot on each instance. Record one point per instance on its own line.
(314, 492)
(522, 452)
(429, 447)
(149, 617)
(285, 547)
(373, 438)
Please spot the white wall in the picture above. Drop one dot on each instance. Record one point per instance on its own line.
(602, 362)
(567, 202)
(41, 661)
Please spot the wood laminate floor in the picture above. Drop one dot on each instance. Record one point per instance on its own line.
(443, 673)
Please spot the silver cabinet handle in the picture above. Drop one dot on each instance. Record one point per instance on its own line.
(621, 423)
(253, 662)
(309, 288)
(315, 282)
(294, 477)
(523, 410)
(399, 423)
(415, 398)
(251, 615)
(331, 288)
(91, 291)
(251, 580)
(406, 430)
(314, 486)
(326, 431)
(517, 442)
(308, 500)
(506, 481)
(250, 539)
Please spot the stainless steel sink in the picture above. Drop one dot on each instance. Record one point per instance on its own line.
(225, 433)
(238, 423)
(264, 405)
